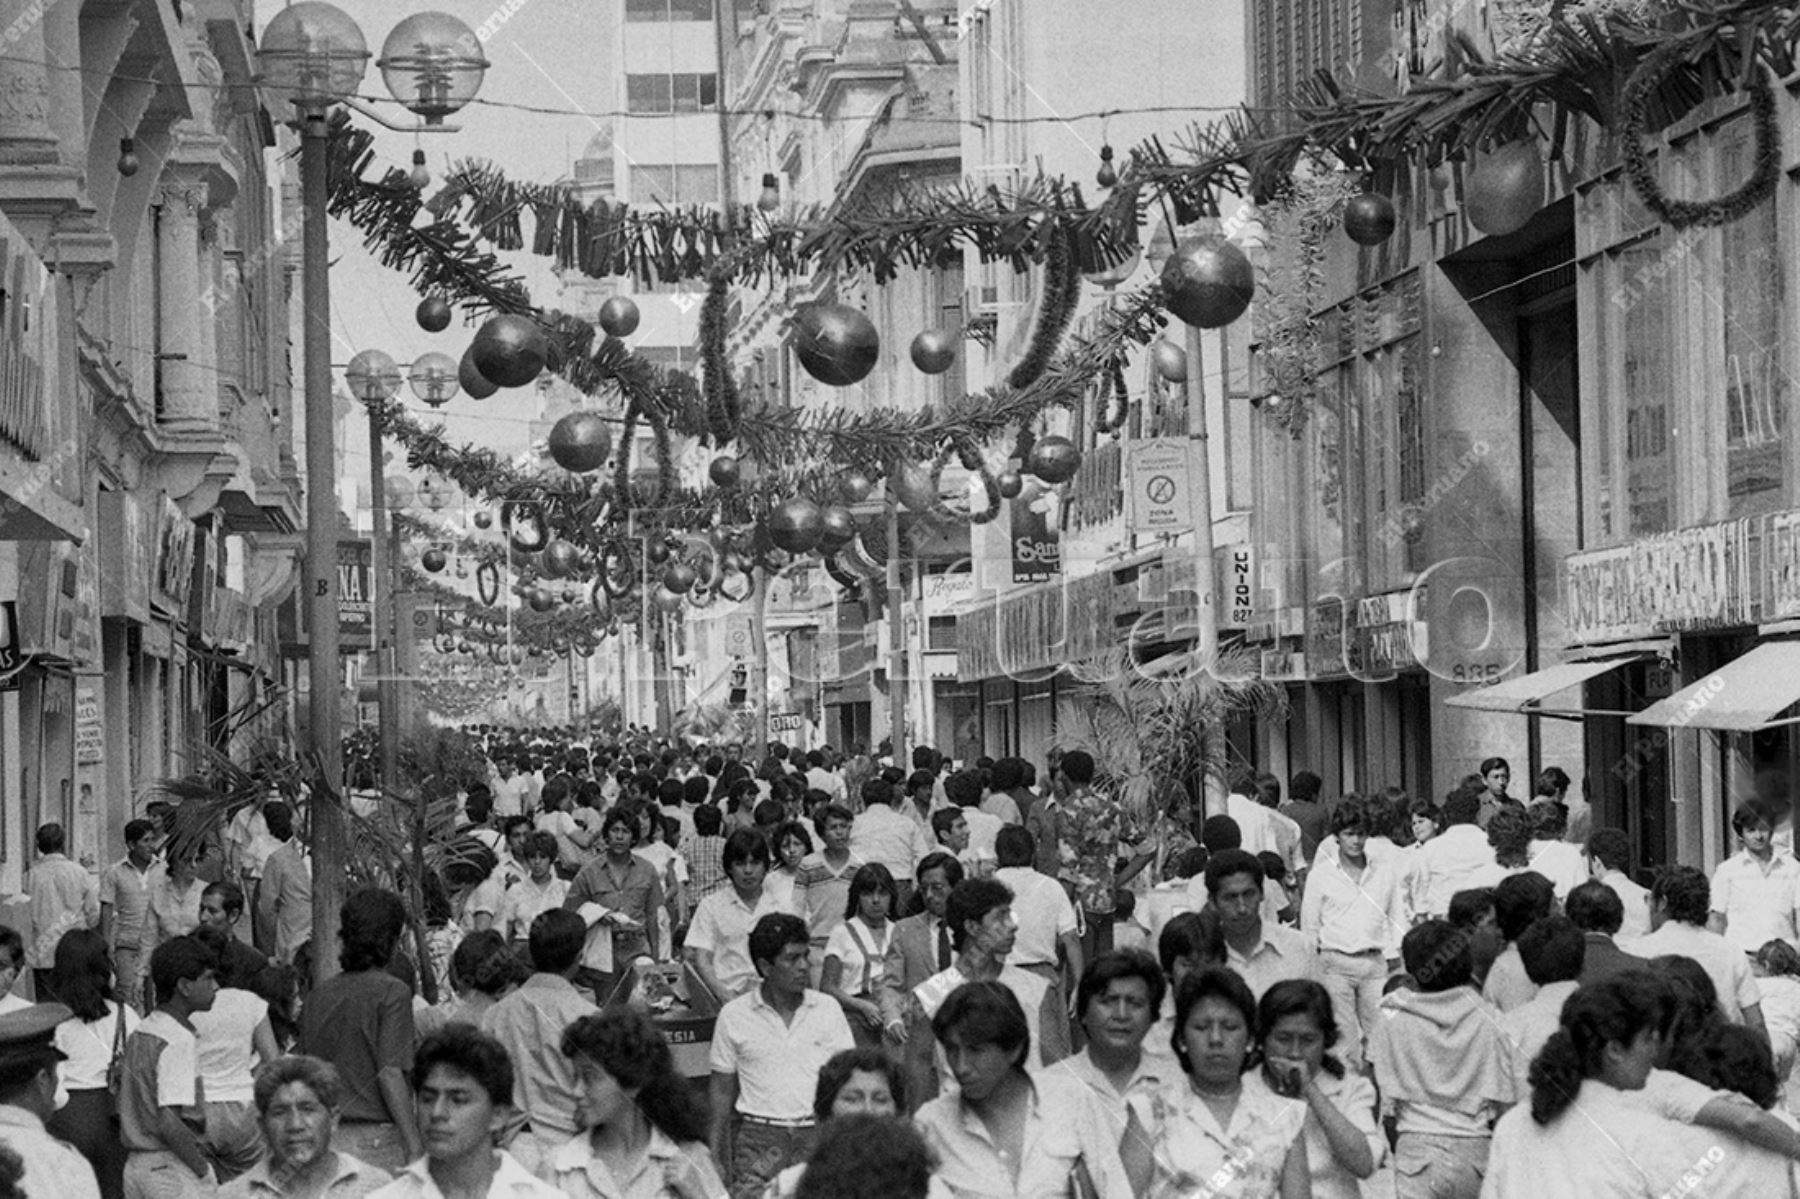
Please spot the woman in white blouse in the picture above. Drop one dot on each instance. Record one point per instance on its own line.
(856, 951)
(1295, 1030)
(84, 983)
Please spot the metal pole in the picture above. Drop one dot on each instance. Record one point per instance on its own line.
(759, 664)
(1206, 617)
(384, 568)
(325, 816)
(896, 640)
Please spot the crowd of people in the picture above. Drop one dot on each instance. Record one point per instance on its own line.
(944, 982)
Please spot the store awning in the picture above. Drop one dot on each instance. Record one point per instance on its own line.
(1526, 694)
(1744, 695)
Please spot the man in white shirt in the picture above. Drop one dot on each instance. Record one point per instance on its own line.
(1263, 954)
(1553, 950)
(63, 897)
(1609, 857)
(511, 791)
(1754, 892)
(964, 790)
(1678, 909)
(818, 776)
(1045, 917)
(1444, 865)
(1354, 915)
(885, 836)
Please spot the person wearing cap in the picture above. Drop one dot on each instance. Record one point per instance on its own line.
(29, 1088)
(298, 1099)
(160, 1097)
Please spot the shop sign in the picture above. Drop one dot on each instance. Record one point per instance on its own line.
(738, 640)
(174, 570)
(1159, 480)
(1090, 617)
(1325, 640)
(90, 730)
(1690, 579)
(1036, 547)
(1237, 587)
(1781, 567)
(944, 593)
(124, 557)
(356, 609)
(1283, 666)
(785, 722)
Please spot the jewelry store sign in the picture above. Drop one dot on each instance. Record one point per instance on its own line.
(1699, 578)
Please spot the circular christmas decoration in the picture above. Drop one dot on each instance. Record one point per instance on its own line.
(795, 525)
(679, 577)
(600, 602)
(1054, 459)
(855, 486)
(570, 595)
(475, 385)
(1112, 276)
(915, 486)
(934, 351)
(1369, 218)
(619, 317)
(484, 520)
(433, 314)
(1011, 484)
(434, 559)
(724, 471)
(666, 600)
(1208, 282)
(510, 350)
(657, 551)
(835, 343)
(560, 559)
(1170, 360)
(836, 528)
(541, 600)
(1506, 187)
(580, 442)
(526, 531)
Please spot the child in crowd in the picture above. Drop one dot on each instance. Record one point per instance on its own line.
(1277, 885)
(1777, 969)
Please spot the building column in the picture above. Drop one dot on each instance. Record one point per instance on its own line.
(25, 133)
(188, 399)
(62, 53)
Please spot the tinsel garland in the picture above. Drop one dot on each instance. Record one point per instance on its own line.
(1113, 404)
(1765, 171)
(1062, 292)
(718, 383)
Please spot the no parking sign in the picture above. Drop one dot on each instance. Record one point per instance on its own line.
(1159, 473)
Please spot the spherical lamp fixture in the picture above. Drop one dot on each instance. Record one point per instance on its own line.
(433, 378)
(374, 377)
(433, 64)
(313, 54)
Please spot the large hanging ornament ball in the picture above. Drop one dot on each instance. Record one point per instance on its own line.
(560, 559)
(1369, 218)
(934, 351)
(619, 317)
(1506, 188)
(837, 528)
(1011, 484)
(434, 559)
(914, 486)
(484, 520)
(1170, 360)
(580, 441)
(795, 525)
(725, 472)
(835, 343)
(542, 600)
(1054, 459)
(666, 600)
(1208, 282)
(433, 314)
(510, 350)
(855, 486)
(657, 551)
(679, 577)
(475, 385)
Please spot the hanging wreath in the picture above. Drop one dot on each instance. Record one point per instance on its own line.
(1765, 171)
(615, 569)
(487, 583)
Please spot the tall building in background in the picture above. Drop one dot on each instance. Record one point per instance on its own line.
(1292, 40)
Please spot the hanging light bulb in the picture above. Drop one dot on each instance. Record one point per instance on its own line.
(420, 176)
(128, 159)
(770, 199)
(1106, 176)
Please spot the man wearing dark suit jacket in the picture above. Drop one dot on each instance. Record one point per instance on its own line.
(1595, 909)
(919, 948)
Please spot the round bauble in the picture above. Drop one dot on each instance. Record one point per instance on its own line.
(433, 314)
(666, 600)
(510, 350)
(1054, 459)
(570, 595)
(915, 486)
(724, 472)
(679, 577)
(542, 600)
(619, 317)
(484, 520)
(1208, 282)
(475, 385)
(1170, 360)
(855, 486)
(934, 351)
(795, 525)
(434, 559)
(1506, 188)
(1011, 483)
(560, 559)
(580, 441)
(1369, 218)
(527, 533)
(837, 528)
(835, 343)
(657, 551)
(1112, 276)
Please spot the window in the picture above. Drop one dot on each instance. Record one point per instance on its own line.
(672, 185)
(671, 93)
(695, 93)
(646, 10)
(1754, 386)
(690, 10)
(1646, 385)
(648, 93)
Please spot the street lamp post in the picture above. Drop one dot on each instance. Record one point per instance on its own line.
(315, 54)
(374, 378)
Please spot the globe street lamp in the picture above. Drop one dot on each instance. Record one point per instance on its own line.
(314, 55)
(374, 379)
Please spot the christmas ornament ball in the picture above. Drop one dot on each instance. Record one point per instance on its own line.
(1369, 218)
(724, 472)
(666, 600)
(657, 551)
(619, 316)
(1208, 282)
(914, 486)
(837, 528)
(679, 577)
(433, 314)
(434, 559)
(475, 385)
(855, 486)
(836, 344)
(1011, 484)
(1054, 459)
(484, 520)
(1170, 360)
(934, 351)
(1506, 188)
(510, 350)
(542, 600)
(795, 525)
(560, 559)
(580, 442)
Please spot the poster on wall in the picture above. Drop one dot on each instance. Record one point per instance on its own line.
(1036, 546)
(356, 613)
(90, 730)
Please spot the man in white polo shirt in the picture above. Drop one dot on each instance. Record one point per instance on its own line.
(1042, 909)
(767, 1049)
(1755, 891)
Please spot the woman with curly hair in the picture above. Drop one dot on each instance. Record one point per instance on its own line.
(644, 1135)
(482, 969)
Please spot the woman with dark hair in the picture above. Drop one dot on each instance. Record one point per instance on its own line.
(1509, 836)
(483, 968)
(856, 1085)
(83, 975)
(1186, 1136)
(644, 1134)
(857, 951)
(1295, 1033)
(868, 1157)
(788, 847)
